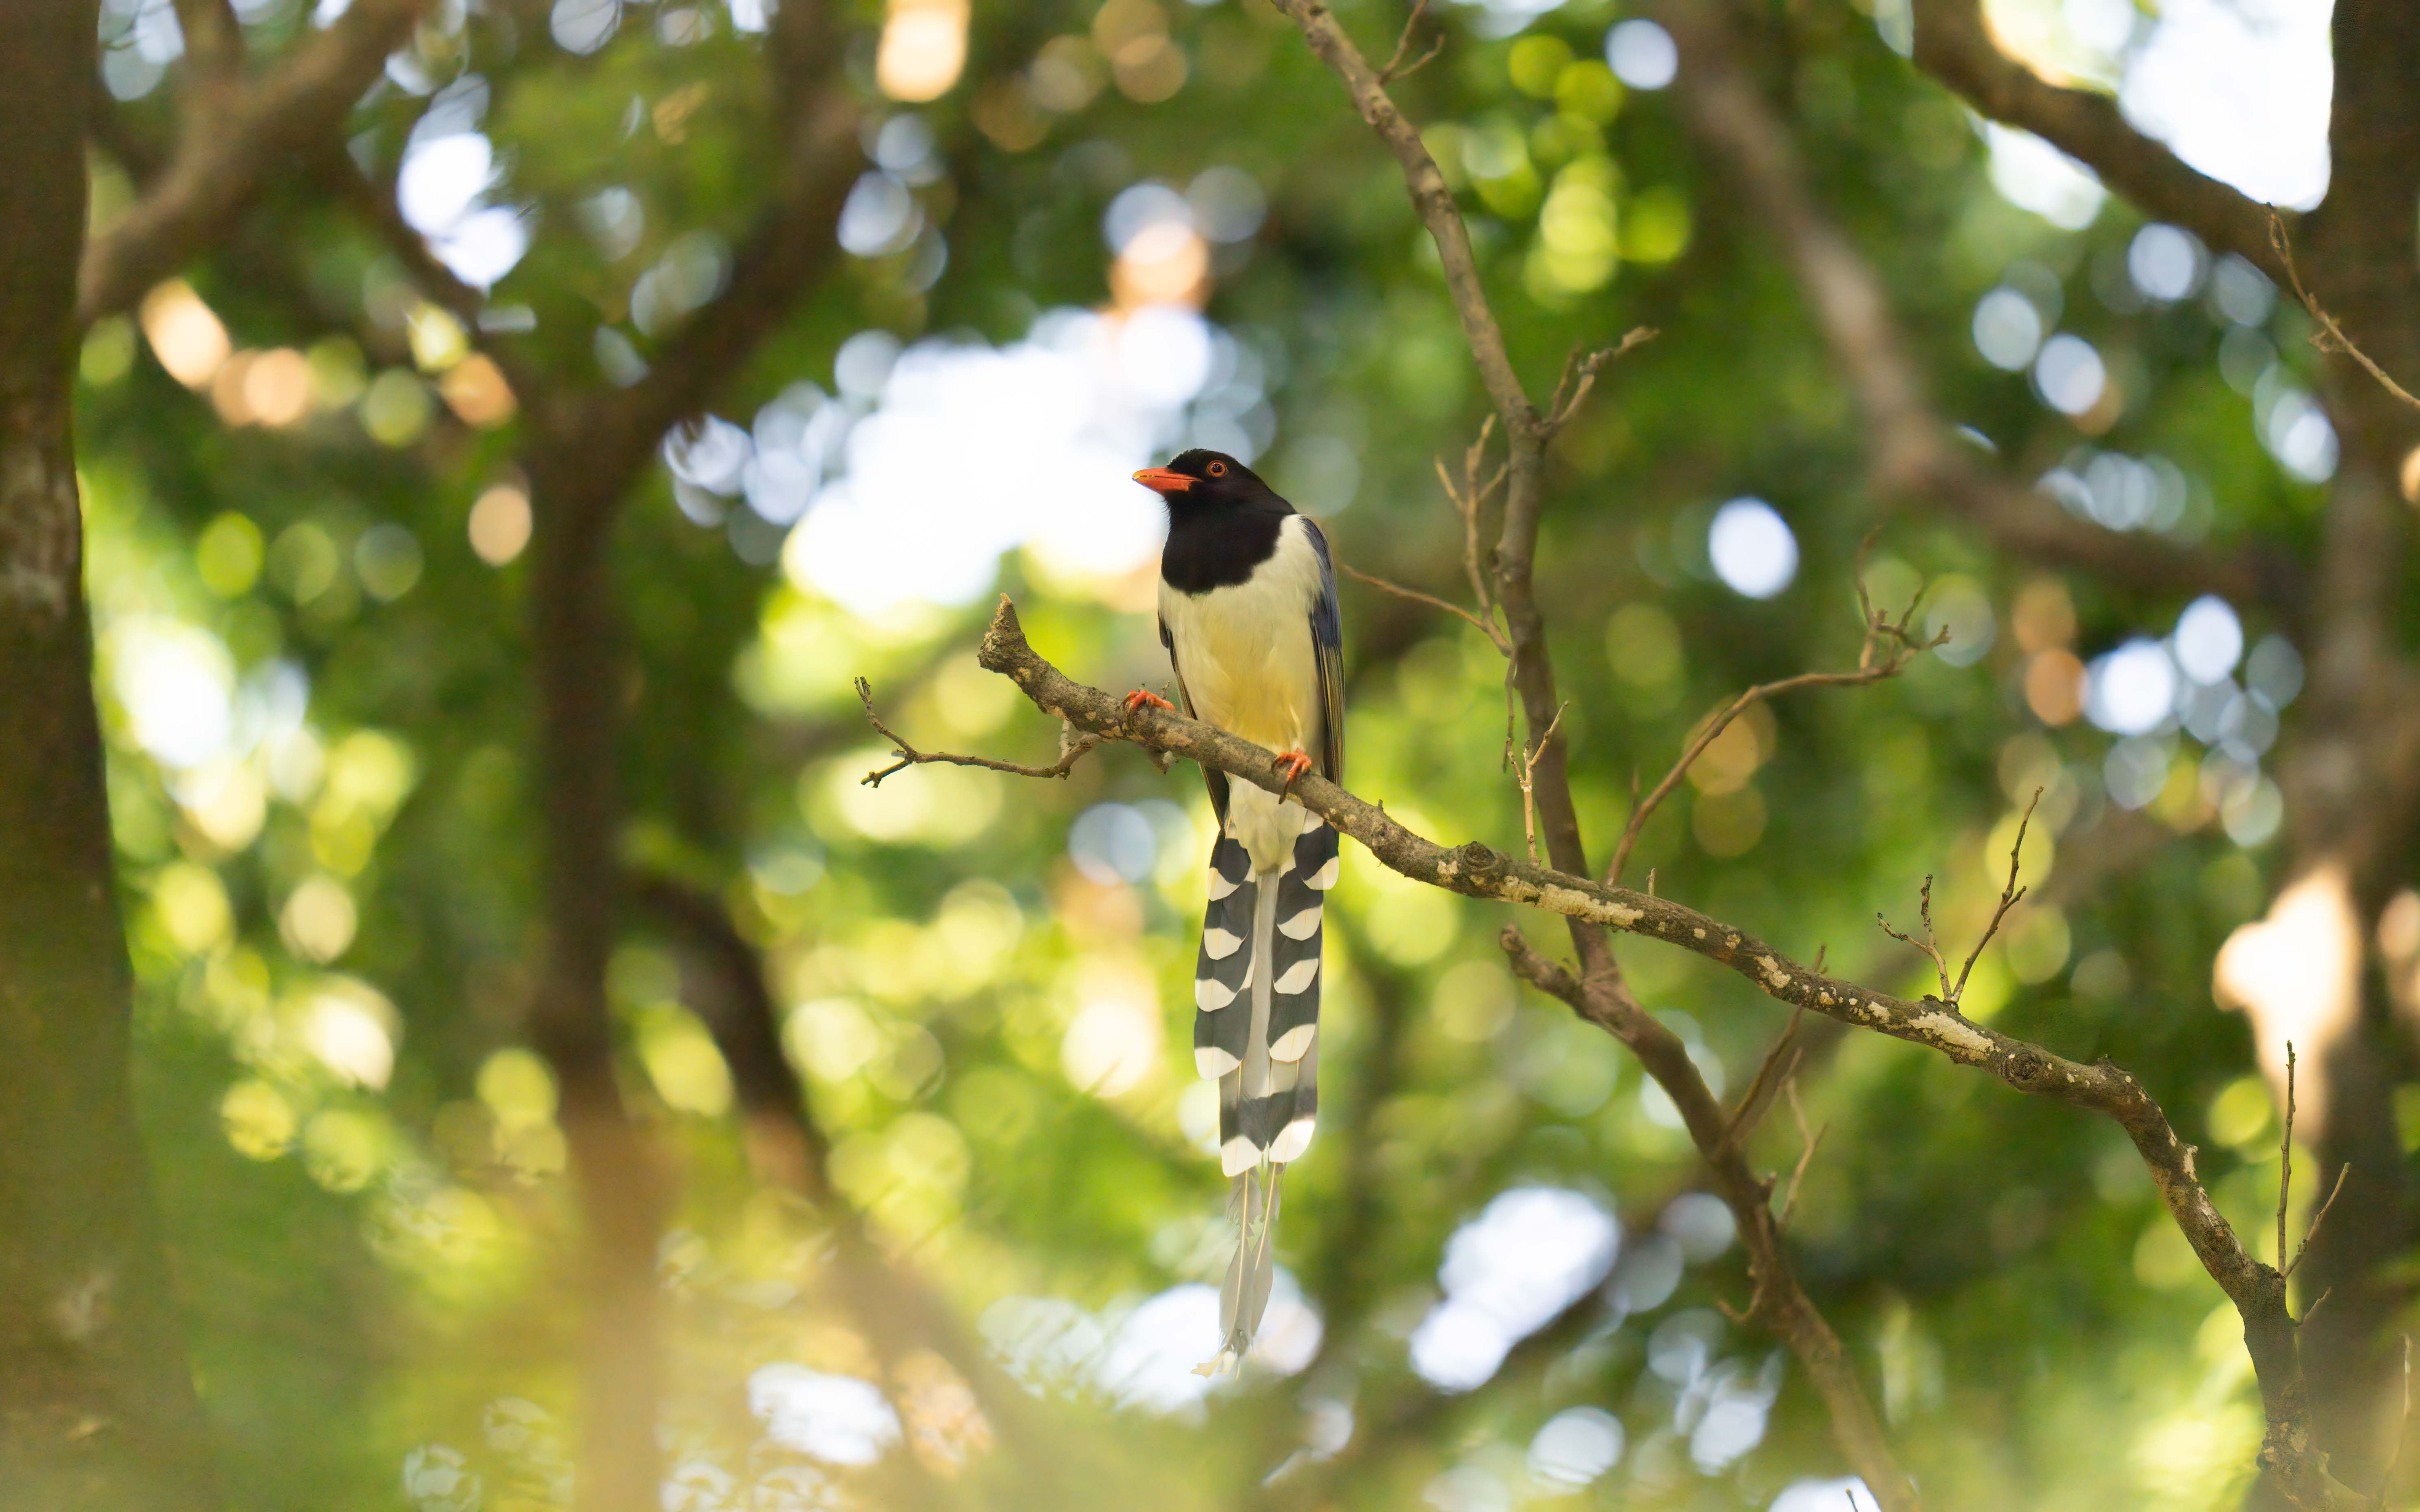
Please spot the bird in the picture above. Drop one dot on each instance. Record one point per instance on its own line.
(1247, 613)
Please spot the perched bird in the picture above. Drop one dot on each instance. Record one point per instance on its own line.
(1248, 612)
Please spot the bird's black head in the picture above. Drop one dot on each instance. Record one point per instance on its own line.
(1200, 482)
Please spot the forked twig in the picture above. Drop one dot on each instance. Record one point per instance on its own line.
(1396, 68)
(1528, 777)
(1071, 749)
(1888, 646)
(2330, 336)
(1579, 376)
(2317, 1218)
(1930, 944)
(2009, 896)
(2285, 1267)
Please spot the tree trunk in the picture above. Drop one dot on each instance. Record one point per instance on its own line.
(619, 1179)
(97, 1407)
(2352, 779)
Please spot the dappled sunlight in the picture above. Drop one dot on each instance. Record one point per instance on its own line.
(2296, 973)
(646, 340)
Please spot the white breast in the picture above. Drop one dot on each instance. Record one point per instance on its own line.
(1246, 657)
(1245, 653)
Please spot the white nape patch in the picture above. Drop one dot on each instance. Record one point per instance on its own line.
(1292, 1141)
(1297, 977)
(1219, 886)
(1325, 878)
(1213, 1062)
(1239, 1155)
(1294, 1043)
(1210, 994)
(1301, 926)
(1218, 944)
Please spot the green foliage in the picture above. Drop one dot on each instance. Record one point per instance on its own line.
(335, 913)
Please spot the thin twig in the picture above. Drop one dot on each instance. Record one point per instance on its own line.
(2009, 895)
(1528, 780)
(1929, 945)
(1579, 376)
(1419, 597)
(1468, 500)
(2331, 337)
(1072, 749)
(1806, 1155)
(2317, 1218)
(1885, 650)
(2286, 1158)
(1396, 68)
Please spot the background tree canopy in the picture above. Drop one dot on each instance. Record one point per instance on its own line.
(506, 430)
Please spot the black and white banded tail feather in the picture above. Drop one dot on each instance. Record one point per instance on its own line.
(1256, 1032)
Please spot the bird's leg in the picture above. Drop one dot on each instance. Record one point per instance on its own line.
(1292, 764)
(1142, 696)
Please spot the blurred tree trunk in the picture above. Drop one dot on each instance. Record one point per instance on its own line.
(2350, 775)
(96, 1409)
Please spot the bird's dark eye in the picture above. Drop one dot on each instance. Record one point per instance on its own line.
(1216, 470)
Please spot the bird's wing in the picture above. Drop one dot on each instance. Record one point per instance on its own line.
(1328, 641)
(1212, 778)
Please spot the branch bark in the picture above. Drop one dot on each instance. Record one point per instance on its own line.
(97, 1406)
(220, 167)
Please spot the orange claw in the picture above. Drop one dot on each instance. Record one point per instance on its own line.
(1142, 696)
(1292, 764)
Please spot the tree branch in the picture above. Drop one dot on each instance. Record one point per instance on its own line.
(1525, 434)
(583, 457)
(216, 170)
(1072, 749)
(604, 442)
(1546, 798)
(1778, 1302)
(1474, 870)
(1914, 457)
(375, 203)
(2331, 337)
(1954, 45)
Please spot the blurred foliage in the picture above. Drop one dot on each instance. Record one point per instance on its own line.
(313, 670)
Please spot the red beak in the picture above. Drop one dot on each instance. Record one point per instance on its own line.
(1163, 480)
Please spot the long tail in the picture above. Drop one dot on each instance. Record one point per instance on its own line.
(1256, 1031)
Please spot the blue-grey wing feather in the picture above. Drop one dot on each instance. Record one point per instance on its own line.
(1328, 638)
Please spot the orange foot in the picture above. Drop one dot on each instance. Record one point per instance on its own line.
(1292, 764)
(1142, 696)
